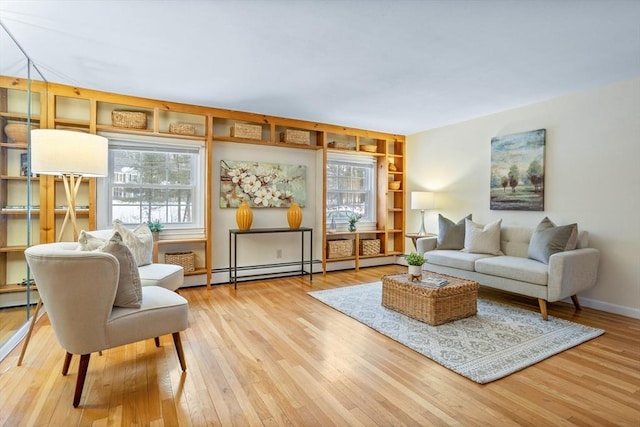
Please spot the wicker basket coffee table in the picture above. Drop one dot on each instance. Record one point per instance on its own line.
(435, 306)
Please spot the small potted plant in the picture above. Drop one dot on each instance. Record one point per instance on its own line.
(156, 227)
(415, 261)
(353, 218)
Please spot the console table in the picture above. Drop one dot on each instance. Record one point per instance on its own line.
(233, 244)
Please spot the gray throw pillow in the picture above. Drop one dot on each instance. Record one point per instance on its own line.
(129, 293)
(450, 235)
(548, 239)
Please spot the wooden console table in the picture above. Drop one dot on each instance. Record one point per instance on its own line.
(233, 243)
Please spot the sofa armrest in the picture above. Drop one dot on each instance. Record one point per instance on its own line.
(571, 272)
(424, 244)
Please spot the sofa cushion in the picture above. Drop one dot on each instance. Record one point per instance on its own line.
(548, 239)
(516, 268)
(482, 239)
(450, 235)
(454, 259)
(129, 292)
(168, 276)
(139, 240)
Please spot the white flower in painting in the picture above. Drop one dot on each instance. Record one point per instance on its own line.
(263, 195)
(237, 175)
(251, 184)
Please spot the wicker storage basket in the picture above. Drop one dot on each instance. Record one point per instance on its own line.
(295, 136)
(340, 248)
(182, 128)
(243, 130)
(186, 259)
(435, 306)
(342, 145)
(129, 119)
(369, 246)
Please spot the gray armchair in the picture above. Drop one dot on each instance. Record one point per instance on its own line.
(78, 290)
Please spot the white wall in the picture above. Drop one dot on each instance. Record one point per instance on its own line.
(262, 249)
(592, 177)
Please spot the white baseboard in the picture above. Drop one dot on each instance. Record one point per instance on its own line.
(608, 307)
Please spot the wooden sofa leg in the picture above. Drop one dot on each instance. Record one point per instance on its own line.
(178, 343)
(157, 341)
(576, 303)
(67, 362)
(543, 308)
(82, 373)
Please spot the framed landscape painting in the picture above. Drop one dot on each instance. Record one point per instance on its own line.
(517, 171)
(261, 184)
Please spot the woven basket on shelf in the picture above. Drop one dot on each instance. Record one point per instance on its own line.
(243, 130)
(369, 247)
(129, 119)
(294, 136)
(185, 259)
(182, 128)
(339, 248)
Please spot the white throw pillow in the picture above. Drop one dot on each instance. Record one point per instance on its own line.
(89, 242)
(139, 241)
(480, 239)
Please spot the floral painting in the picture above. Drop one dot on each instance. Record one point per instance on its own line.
(517, 171)
(261, 185)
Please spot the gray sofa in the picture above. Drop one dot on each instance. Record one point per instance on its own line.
(567, 273)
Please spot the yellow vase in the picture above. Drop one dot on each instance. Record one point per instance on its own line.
(244, 216)
(294, 216)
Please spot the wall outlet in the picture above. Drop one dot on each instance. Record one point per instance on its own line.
(279, 253)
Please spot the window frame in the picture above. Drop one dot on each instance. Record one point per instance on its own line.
(355, 160)
(157, 144)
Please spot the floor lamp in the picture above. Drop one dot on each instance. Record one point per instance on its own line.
(422, 200)
(72, 155)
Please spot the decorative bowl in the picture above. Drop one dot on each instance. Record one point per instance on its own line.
(394, 185)
(16, 132)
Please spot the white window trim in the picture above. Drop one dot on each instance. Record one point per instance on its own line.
(103, 200)
(365, 160)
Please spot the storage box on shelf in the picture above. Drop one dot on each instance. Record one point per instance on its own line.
(293, 136)
(244, 130)
(340, 248)
(129, 119)
(369, 247)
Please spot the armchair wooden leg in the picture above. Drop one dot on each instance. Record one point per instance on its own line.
(178, 344)
(82, 373)
(157, 340)
(67, 362)
(543, 308)
(576, 303)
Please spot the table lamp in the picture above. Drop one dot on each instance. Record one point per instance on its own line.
(423, 200)
(72, 155)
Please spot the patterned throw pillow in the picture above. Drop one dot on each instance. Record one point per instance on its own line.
(129, 293)
(89, 242)
(450, 235)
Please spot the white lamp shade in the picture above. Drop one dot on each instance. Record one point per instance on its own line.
(59, 152)
(423, 200)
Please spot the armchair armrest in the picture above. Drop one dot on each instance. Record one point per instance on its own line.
(424, 244)
(571, 272)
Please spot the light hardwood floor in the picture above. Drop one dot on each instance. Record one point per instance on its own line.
(270, 355)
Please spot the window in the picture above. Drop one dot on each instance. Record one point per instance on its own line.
(351, 187)
(155, 181)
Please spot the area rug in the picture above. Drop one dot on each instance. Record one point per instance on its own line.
(496, 342)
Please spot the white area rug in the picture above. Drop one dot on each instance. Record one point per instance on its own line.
(496, 342)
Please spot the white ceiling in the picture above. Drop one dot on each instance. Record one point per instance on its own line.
(397, 66)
